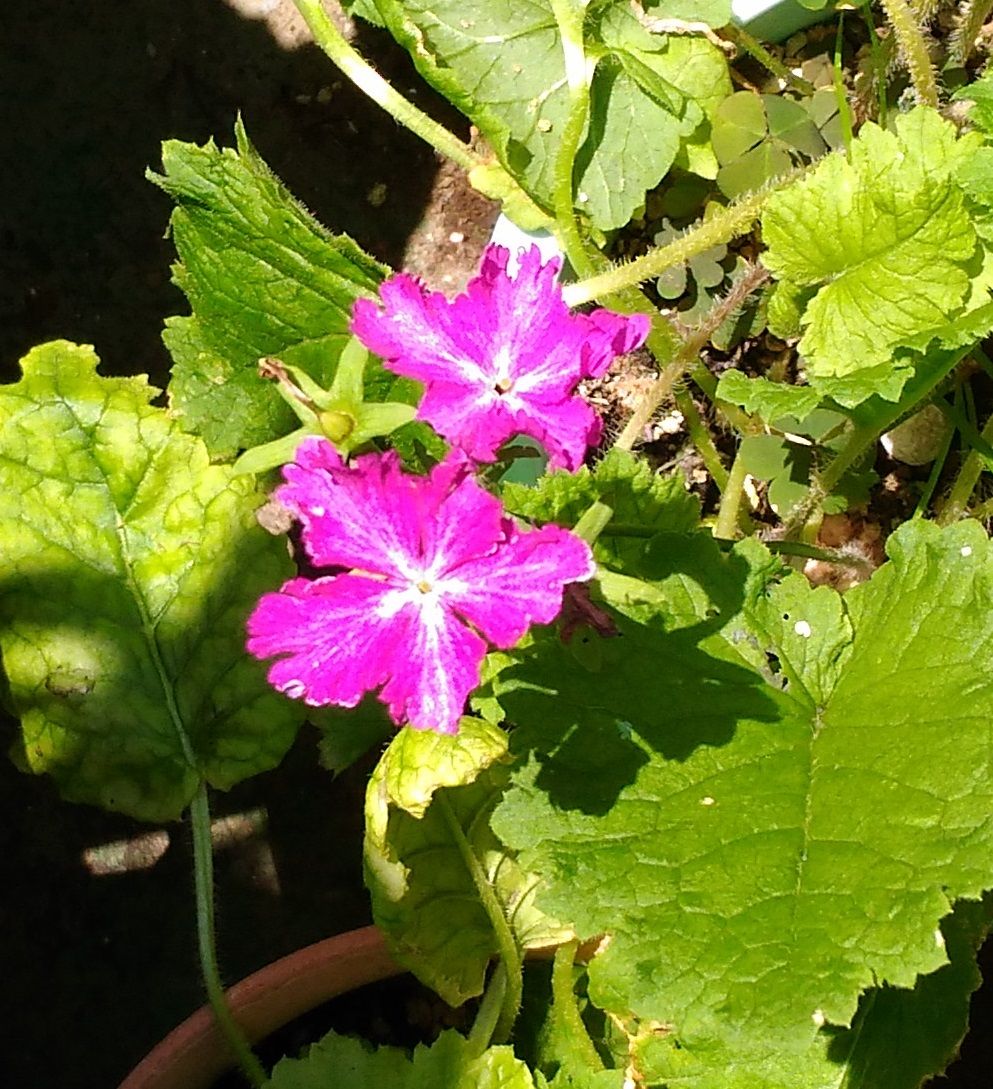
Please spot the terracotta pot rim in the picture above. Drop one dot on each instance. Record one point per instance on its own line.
(195, 1054)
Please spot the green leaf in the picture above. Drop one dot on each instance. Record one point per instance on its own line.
(806, 824)
(639, 497)
(715, 13)
(739, 125)
(129, 567)
(980, 94)
(262, 278)
(767, 399)
(502, 65)
(884, 239)
(423, 895)
(449, 1063)
(791, 123)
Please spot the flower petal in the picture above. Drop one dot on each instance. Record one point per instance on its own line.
(359, 515)
(607, 335)
(434, 669)
(416, 336)
(336, 641)
(504, 594)
(566, 429)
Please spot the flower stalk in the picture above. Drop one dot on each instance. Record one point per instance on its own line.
(203, 869)
(510, 954)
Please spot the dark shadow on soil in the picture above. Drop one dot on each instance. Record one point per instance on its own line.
(87, 93)
(98, 968)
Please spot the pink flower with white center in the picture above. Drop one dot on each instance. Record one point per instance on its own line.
(502, 359)
(433, 569)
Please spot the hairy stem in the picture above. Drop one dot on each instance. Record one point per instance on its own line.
(203, 868)
(968, 25)
(370, 82)
(510, 955)
(736, 219)
(914, 49)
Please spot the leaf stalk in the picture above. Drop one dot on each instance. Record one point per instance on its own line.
(203, 870)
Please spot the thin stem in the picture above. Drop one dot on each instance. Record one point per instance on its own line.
(754, 48)
(729, 511)
(914, 49)
(840, 96)
(859, 442)
(878, 63)
(737, 417)
(687, 354)
(506, 943)
(935, 474)
(957, 503)
(569, 18)
(485, 1022)
(736, 219)
(700, 436)
(369, 81)
(203, 869)
(564, 1005)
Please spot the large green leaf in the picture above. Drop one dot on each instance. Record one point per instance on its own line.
(129, 565)
(423, 894)
(885, 239)
(263, 277)
(449, 1063)
(764, 841)
(501, 63)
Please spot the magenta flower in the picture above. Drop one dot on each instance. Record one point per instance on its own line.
(502, 359)
(433, 569)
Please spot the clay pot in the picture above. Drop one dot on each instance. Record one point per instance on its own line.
(195, 1054)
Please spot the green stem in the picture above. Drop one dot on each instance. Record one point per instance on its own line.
(754, 48)
(736, 219)
(935, 475)
(859, 442)
(507, 948)
(570, 23)
(957, 503)
(737, 417)
(840, 95)
(729, 511)
(369, 81)
(485, 1022)
(878, 64)
(700, 436)
(564, 1005)
(594, 521)
(914, 49)
(203, 868)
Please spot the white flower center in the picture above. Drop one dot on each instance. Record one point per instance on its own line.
(502, 380)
